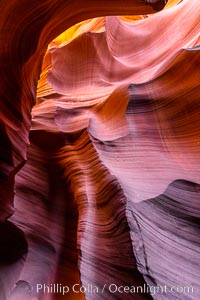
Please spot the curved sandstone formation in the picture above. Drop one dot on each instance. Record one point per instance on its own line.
(107, 191)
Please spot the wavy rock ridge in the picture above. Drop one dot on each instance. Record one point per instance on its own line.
(109, 193)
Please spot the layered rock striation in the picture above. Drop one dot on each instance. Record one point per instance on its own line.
(109, 190)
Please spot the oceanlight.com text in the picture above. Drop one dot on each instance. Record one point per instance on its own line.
(112, 288)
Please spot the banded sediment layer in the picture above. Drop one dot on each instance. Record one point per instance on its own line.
(99, 149)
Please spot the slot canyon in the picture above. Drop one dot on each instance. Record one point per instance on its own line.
(99, 149)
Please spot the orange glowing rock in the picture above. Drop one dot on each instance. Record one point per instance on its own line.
(106, 95)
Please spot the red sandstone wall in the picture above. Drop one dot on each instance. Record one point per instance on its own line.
(109, 193)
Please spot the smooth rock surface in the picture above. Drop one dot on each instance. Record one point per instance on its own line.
(100, 158)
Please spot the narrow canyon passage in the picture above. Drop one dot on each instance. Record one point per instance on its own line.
(100, 150)
(72, 234)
